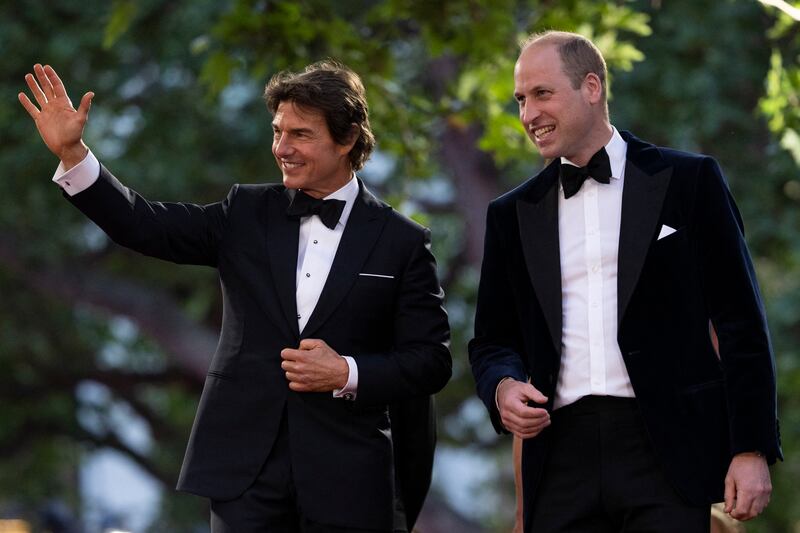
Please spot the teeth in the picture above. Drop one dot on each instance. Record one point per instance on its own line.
(287, 164)
(540, 132)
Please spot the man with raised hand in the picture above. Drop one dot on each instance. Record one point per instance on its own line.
(332, 312)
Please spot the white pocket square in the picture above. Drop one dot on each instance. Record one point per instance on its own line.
(385, 276)
(666, 231)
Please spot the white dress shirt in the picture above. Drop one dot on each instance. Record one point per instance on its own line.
(315, 251)
(588, 233)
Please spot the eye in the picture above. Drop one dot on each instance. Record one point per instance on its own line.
(520, 99)
(542, 93)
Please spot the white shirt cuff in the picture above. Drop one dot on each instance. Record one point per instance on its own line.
(80, 177)
(348, 392)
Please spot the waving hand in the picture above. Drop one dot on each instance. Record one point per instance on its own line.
(59, 123)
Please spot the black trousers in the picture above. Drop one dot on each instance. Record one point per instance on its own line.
(602, 476)
(270, 504)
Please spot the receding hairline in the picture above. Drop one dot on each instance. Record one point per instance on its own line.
(550, 37)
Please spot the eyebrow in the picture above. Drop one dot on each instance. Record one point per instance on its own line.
(294, 130)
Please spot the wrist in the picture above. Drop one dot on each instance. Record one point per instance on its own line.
(73, 155)
(754, 453)
(500, 384)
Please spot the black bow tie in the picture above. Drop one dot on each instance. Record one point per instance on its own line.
(328, 211)
(598, 168)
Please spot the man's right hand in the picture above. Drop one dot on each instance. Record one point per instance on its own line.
(58, 122)
(517, 417)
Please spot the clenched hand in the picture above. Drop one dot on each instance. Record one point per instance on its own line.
(515, 413)
(314, 367)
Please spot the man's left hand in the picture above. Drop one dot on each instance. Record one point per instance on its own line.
(314, 367)
(747, 486)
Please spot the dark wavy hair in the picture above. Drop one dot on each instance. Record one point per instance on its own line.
(337, 92)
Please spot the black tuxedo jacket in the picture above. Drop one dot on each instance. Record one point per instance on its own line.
(394, 327)
(698, 410)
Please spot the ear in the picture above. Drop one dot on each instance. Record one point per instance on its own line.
(351, 141)
(592, 88)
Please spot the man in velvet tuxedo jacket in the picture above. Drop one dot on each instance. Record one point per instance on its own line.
(601, 278)
(332, 313)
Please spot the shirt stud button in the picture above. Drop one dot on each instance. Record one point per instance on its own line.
(316, 241)
(308, 275)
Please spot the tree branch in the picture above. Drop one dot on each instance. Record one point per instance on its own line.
(158, 315)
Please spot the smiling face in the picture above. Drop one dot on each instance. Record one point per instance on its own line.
(306, 153)
(561, 121)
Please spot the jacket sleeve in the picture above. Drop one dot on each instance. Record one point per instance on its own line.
(737, 312)
(177, 232)
(495, 351)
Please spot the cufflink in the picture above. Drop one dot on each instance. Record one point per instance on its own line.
(348, 396)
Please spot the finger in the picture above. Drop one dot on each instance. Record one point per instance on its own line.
(32, 110)
(299, 387)
(85, 105)
(533, 393)
(730, 494)
(741, 510)
(310, 344)
(44, 83)
(58, 87)
(524, 410)
(529, 433)
(512, 421)
(291, 354)
(294, 377)
(759, 504)
(37, 92)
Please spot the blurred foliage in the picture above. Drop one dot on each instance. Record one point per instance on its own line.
(178, 115)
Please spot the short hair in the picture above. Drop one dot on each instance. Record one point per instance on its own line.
(579, 56)
(338, 93)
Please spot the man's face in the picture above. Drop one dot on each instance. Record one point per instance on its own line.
(306, 153)
(560, 120)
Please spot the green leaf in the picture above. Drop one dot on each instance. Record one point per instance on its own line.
(122, 14)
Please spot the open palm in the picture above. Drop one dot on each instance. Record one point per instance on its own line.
(59, 123)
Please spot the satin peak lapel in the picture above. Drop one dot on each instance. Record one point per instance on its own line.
(282, 238)
(538, 231)
(360, 235)
(642, 198)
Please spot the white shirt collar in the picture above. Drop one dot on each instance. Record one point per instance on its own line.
(348, 192)
(617, 149)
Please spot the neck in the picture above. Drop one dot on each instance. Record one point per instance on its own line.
(597, 139)
(330, 187)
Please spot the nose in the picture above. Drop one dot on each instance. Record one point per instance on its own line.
(528, 112)
(282, 147)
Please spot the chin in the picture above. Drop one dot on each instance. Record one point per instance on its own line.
(292, 182)
(548, 153)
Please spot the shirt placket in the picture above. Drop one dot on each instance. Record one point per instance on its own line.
(312, 276)
(594, 269)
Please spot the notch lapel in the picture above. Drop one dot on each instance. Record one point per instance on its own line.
(642, 197)
(360, 235)
(282, 237)
(538, 231)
